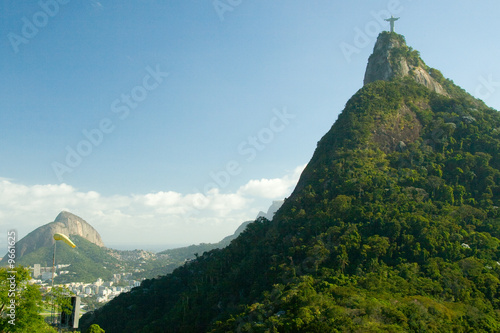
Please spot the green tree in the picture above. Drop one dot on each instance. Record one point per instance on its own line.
(61, 297)
(343, 258)
(94, 328)
(20, 303)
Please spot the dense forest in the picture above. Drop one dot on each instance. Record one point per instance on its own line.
(394, 226)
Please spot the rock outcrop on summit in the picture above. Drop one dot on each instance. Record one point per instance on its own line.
(392, 58)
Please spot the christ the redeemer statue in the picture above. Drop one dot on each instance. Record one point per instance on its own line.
(392, 20)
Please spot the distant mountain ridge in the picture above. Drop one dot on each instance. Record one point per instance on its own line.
(272, 210)
(188, 252)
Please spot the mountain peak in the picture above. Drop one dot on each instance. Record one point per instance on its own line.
(272, 210)
(66, 216)
(65, 223)
(397, 207)
(71, 224)
(392, 58)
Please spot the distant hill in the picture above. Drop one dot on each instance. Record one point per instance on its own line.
(180, 255)
(42, 237)
(90, 259)
(394, 226)
(87, 260)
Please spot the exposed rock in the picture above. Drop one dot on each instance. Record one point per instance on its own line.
(397, 132)
(423, 77)
(379, 66)
(392, 58)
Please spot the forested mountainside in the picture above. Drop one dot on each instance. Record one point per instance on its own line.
(394, 226)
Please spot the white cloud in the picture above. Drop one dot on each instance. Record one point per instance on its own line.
(158, 218)
(272, 188)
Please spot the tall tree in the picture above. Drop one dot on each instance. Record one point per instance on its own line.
(20, 303)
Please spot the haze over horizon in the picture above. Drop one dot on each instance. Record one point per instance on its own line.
(174, 122)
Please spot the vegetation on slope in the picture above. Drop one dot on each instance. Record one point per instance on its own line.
(87, 261)
(394, 226)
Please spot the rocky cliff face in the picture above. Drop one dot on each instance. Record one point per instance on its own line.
(392, 58)
(65, 223)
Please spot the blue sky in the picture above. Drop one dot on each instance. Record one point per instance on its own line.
(122, 112)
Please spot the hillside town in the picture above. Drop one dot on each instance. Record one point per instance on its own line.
(101, 291)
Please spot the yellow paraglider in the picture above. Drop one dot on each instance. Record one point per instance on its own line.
(58, 236)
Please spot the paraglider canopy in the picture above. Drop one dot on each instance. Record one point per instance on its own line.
(59, 236)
